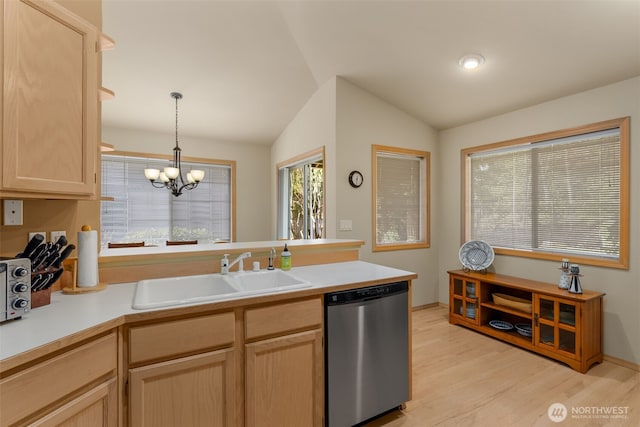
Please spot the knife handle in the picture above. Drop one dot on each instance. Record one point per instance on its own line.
(33, 243)
(54, 278)
(63, 255)
(60, 243)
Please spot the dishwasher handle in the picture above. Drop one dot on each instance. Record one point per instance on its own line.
(365, 294)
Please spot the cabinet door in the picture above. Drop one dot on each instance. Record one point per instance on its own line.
(50, 109)
(463, 298)
(191, 391)
(556, 323)
(95, 408)
(284, 381)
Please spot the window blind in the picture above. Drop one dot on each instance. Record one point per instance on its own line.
(399, 199)
(137, 212)
(560, 195)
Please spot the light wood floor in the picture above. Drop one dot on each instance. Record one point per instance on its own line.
(462, 378)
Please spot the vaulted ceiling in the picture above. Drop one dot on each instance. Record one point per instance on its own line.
(246, 68)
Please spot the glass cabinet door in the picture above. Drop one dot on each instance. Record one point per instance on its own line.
(464, 299)
(555, 325)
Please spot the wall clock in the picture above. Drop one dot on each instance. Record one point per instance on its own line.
(355, 179)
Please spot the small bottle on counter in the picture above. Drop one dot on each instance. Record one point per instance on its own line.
(564, 274)
(285, 259)
(272, 256)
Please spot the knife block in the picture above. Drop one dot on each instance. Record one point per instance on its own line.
(40, 298)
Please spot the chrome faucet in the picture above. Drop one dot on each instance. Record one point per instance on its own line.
(225, 266)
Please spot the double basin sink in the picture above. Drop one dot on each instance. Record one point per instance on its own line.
(171, 291)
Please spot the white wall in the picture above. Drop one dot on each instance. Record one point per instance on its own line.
(347, 120)
(252, 166)
(362, 121)
(622, 302)
(312, 128)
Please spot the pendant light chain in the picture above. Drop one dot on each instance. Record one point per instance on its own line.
(177, 96)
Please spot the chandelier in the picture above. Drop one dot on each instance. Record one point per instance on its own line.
(171, 177)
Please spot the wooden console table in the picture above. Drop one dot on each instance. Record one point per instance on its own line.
(547, 320)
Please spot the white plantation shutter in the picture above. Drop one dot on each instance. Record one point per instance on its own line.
(560, 195)
(140, 212)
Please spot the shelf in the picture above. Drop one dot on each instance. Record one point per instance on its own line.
(510, 334)
(105, 43)
(105, 94)
(106, 147)
(564, 326)
(507, 310)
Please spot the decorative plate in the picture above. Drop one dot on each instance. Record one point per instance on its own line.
(501, 324)
(524, 329)
(476, 255)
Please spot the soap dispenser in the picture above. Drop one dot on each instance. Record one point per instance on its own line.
(224, 264)
(285, 259)
(272, 256)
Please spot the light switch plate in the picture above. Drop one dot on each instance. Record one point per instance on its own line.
(346, 225)
(12, 212)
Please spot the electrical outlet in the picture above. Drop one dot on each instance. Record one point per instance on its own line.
(55, 235)
(13, 212)
(42, 233)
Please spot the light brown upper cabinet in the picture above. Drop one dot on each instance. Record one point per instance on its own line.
(50, 102)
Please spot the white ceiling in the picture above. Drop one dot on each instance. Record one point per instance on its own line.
(246, 68)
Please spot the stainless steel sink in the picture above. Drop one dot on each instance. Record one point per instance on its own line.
(166, 292)
(170, 291)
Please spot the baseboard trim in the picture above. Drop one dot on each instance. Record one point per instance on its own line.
(425, 306)
(622, 362)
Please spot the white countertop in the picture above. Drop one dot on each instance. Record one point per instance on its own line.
(70, 314)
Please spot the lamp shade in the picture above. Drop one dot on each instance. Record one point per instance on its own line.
(172, 173)
(197, 175)
(151, 174)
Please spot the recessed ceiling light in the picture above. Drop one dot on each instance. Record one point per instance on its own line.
(471, 61)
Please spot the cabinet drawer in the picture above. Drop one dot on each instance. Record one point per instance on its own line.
(281, 318)
(162, 340)
(40, 385)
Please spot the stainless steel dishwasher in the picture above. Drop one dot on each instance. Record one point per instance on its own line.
(366, 352)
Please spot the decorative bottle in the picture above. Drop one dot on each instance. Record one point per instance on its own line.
(564, 274)
(575, 287)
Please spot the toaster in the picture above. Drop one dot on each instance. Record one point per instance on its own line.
(15, 287)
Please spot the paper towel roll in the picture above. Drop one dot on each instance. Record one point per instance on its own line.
(87, 259)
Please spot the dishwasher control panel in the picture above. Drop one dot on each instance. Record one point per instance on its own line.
(363, 294)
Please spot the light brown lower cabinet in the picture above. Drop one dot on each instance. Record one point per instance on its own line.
(77, 387)
(284, 378)
(191, 391)
(262, 365)
(284, 364)
(97, 407)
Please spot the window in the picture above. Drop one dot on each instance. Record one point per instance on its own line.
(400, 198)
(558, 195)
(133, 211)
(301, 197)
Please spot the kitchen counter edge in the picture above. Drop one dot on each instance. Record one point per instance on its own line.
(72, 319)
